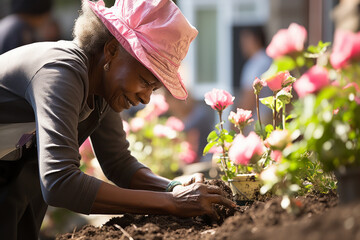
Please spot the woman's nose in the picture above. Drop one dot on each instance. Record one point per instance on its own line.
(145, 96)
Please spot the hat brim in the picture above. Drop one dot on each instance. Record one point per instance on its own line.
(133, 44)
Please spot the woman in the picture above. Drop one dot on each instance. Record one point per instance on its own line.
(67, 91)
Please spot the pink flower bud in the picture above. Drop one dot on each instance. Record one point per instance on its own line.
(258, 84)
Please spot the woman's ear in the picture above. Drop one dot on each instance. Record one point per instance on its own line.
(111, 49)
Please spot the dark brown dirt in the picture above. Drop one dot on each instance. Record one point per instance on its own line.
(318, 217)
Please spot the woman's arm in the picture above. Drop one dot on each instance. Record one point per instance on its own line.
(111, 199)
(145, 179)
(185, 201)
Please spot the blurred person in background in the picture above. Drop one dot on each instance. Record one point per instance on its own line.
(252, 45)
(53, 95)
(24, 24)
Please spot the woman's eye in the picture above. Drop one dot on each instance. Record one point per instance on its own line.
(146, 83)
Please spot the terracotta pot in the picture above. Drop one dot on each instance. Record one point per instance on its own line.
(348, 185)
(245, 187)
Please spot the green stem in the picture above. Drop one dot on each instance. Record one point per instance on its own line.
(258, 110)
(274, 111)
(223, 145)
(284, 116)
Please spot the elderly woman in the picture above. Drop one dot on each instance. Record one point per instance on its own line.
(54, 95)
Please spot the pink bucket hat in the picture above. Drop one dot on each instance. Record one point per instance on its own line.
(155, 32)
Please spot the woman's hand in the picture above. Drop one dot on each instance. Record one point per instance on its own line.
(194, 178)
(198, 199)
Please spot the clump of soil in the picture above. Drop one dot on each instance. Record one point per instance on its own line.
(318, 217)
(222, 211)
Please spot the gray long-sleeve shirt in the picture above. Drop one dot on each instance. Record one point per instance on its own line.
(47, 83)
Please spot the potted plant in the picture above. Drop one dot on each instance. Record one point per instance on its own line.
(241, 158)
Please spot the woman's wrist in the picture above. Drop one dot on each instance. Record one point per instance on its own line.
(172, 185)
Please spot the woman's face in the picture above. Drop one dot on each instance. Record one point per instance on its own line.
(128, 82)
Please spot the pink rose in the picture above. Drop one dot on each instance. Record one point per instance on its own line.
(126, 127)
(241, 117)
(243, 148)
(286, 41)
(219, 99)
(312, 81)
(136, 124)
(276, 155)
(278, 139)
(276, 82)
(346, 46)
(175, 124)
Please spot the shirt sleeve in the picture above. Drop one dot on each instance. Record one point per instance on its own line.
(57, 93)
(111, 149)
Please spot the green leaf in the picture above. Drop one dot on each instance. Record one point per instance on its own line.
(315, 51)
(208, 147)
(260, 130)
(212, 136)
(290, 116)
(268, 101)
(279, 105)
(269, 128)
(284, 96)
(300, 61)
(228, 138)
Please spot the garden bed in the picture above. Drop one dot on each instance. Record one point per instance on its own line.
(320, 217)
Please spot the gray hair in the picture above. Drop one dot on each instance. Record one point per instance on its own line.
(89, 31)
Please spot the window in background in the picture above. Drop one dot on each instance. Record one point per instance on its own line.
(206, 20)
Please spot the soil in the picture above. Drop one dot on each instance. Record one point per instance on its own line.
(318, 217)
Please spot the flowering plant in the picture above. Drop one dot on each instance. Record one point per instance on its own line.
(319, 133)
(236, 153)
(325, 120)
